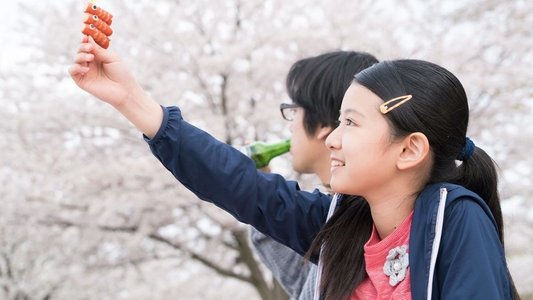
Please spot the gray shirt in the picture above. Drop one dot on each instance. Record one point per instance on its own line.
(295, 274)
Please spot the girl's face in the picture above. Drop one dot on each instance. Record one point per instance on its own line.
(363, 154)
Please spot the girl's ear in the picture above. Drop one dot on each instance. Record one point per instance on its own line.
(415, 151)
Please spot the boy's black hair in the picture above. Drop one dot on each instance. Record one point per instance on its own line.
(318, 84)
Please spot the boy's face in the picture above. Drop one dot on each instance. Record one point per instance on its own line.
(308, 151)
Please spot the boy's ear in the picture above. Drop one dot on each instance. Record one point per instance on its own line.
(415, 151)
(322, 132)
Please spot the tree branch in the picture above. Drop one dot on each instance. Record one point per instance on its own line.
(219, 269)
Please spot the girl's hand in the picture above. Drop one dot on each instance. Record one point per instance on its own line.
(101, 73)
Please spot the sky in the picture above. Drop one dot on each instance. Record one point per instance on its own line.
(8, 33)
(11, 34)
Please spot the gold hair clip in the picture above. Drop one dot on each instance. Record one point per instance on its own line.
(385, 108)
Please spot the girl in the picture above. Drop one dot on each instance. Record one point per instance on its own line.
(421, 228)
(316, 86)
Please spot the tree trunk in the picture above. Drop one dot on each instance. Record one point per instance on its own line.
(266, 291)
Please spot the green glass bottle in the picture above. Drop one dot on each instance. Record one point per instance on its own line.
(262, 153)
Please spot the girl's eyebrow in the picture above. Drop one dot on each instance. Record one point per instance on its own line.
(351, 110)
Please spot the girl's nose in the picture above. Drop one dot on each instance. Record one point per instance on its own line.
(332, 141)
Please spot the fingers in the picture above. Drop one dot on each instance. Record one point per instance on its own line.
(85, 47)
(95, 44)
(81, 63)
(104, 55)
(89, 45)
(83, 58)
(77, 70)
(89, 52)
(84, 55)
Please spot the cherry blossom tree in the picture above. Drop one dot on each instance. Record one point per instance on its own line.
(89, 213)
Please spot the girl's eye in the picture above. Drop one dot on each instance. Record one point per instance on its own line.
(345, 122)
(349, 122)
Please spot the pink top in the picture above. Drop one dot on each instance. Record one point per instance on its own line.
(378, 285)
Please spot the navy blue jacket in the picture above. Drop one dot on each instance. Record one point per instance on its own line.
(470, 263)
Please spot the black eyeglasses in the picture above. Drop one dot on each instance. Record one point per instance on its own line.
(288, 110)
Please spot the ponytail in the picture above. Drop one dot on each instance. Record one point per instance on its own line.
(478, 173)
